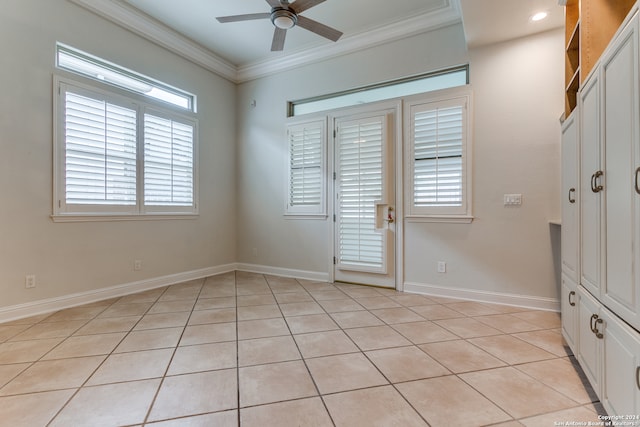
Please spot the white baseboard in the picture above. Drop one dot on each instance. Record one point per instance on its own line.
(58, 303)
(284, 272)
(54, 304)
(526, 301)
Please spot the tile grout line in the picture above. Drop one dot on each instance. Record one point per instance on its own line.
(175, 349)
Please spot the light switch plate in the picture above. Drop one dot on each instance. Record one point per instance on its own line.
(512, 199)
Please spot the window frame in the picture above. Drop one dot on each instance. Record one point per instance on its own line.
(453, 214)
(316, 211)
(70, 212)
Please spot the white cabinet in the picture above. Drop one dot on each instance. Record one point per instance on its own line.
(589, 352)
(569, 308)
(609, 353)
(620, 287)
(570, 230)
(621, 366)
(590, 185)
(602, 327)
(609, 200)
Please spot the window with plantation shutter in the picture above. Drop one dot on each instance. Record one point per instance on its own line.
(306, 168)
(168, 162)
(438, 158)
(100, 151)
(119, 156)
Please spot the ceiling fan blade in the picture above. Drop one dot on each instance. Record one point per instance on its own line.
(274, 3)
(278, 39)
(247, 17)
(318, 28)
(300, 6)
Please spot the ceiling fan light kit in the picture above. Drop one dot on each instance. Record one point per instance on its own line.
(284, 19)
(284, 16)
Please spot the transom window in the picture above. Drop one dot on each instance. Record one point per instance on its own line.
(78, 62)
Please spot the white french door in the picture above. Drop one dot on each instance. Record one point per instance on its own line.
(364, 198)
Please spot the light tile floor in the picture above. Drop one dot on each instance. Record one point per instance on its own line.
(243, 349)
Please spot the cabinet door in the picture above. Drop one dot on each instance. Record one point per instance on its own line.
(590, 179)
(569, 307)
(621, 367)
(619, 290)
(570, 199)
(589, 347)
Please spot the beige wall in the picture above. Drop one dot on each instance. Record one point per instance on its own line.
(518, 99)
(517, 90)
(262, 151)
(72, 258)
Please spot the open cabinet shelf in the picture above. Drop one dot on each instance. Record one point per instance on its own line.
(589, 27)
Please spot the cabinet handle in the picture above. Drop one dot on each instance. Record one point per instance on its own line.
(636, 181)
(594, 182)
(596, 331)
(638, 377)
(593, 317)
(573, 190)
(572, 294)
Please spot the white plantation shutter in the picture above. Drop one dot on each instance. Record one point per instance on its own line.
(168, 162)
(360, 185)
(305, 186)
(116, 156)
(100, 151)
(437, 174)
(439, 167)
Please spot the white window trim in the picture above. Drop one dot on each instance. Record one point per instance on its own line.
(83, 213)
(463, 214)
(318, 211)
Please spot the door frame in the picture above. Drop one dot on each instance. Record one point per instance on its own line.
(389, 106)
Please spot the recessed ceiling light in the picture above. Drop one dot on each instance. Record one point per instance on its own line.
(539, 16)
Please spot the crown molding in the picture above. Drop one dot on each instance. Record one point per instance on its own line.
(142, 24)
(419, 24)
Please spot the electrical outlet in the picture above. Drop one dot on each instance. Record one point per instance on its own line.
(137, 265)
(442, 267)
(255, 252)
(30, 281)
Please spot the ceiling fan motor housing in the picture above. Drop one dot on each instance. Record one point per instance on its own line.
(283, 18)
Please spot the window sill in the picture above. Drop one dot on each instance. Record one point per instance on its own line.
(119, 217)
(463, 219)
(304, 216)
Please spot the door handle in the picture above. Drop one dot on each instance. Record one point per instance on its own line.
(594, 182)
(593, 317)
(638, 377)
(390, 219)
(599, 334)
(635, 184)
(573, 190)
(572, 294)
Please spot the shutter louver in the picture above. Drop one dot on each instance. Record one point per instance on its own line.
(100, 152)
(360, 186)
(168, 162)
(305, 165)
(438, 149)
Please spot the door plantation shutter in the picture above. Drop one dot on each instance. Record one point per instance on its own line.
(168, 162)
(100, 151)
(438, 156)
(305, 192)
(360, 150)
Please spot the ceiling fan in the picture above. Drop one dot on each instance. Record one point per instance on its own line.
(284, 16)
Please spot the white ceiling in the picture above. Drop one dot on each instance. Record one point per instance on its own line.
(241, 50)
(246, 42)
